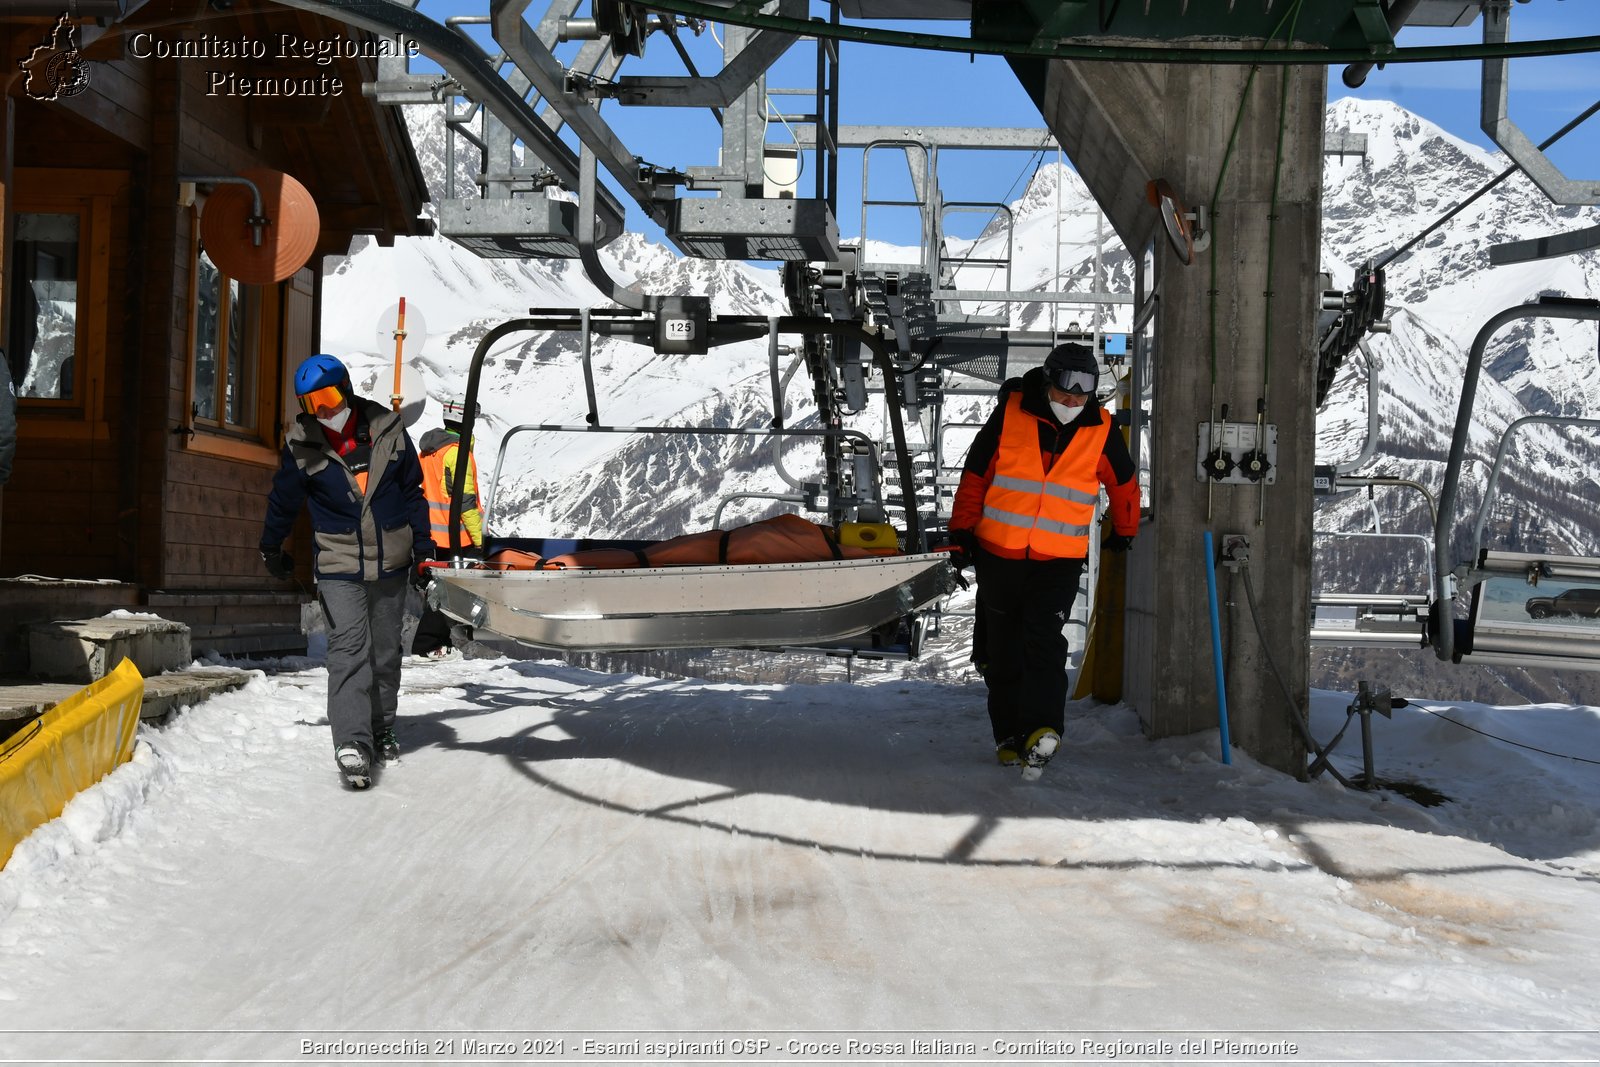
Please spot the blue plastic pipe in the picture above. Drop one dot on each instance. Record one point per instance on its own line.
(1216, 650)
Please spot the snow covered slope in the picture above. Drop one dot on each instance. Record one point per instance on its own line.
(569, 855)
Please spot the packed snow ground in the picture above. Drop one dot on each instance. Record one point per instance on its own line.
(566, 855)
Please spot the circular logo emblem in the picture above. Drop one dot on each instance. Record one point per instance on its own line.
(67, 74)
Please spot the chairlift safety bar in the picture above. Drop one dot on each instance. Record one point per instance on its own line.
(1443, 623)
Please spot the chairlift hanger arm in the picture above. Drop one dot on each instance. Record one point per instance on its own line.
(522, 44)
(719, 90)
(470, 67)
(1495, 120)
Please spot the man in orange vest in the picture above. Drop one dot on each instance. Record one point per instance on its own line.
(439, 451)
(1023, 515)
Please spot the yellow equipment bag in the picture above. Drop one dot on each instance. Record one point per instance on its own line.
(876, 535)
(66, 750)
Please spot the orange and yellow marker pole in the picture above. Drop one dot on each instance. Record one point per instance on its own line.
(399, 347)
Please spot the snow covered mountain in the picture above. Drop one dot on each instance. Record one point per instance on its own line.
(1440, 293)
(537, 378)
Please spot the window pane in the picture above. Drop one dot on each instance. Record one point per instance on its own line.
(207, 323)
(44, 316)
(243, 330)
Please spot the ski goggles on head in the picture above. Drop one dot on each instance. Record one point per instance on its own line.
(327, 399)
(1075, 381)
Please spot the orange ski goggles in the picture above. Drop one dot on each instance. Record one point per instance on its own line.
(324, 401)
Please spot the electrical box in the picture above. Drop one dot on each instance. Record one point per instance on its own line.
(1230, 454)
(780, 171)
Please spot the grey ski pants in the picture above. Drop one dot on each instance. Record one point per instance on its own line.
(363, 655)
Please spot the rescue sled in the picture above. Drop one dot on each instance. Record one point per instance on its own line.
(545, 594)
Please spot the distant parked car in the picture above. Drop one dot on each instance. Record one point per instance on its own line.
(1574, 603)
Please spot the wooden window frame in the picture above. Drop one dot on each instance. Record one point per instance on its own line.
(90, 195)
(260, 443)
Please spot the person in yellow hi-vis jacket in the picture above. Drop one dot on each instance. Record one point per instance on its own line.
(440, 450)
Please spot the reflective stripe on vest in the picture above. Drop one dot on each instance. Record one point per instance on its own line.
(1046, 514)
(436, 487)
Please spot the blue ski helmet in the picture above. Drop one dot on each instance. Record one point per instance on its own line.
(322, 384)
(320, 370)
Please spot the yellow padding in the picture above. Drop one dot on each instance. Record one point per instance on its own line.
(67, 749)
(879, 535)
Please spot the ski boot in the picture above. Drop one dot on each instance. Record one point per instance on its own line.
(388, 745)
(1042, 744)
(1009, 752)
(355, 766)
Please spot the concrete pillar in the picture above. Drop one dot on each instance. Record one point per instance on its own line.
(1122, 125)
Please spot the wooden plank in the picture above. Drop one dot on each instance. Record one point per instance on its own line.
(195, 578)
(187, 498)
(209, 531)
(252, 598)
(37, 470)
(193, 559)
(191, 467)
(38, 548)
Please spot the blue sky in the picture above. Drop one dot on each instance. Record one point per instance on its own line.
(895, 85)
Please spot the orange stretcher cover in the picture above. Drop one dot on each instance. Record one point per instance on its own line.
(780, 539)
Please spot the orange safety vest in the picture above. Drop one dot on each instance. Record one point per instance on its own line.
(1029, 510)
(436, 487)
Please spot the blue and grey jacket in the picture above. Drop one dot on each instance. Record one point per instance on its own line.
(359, 537)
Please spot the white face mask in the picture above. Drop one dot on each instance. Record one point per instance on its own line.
(336, 422)
(1067, 415)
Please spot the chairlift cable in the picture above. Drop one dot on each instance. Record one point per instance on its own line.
(1503, 175)
(1032, 162)
(1506, 740)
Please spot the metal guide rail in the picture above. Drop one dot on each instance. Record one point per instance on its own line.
(1369, 620)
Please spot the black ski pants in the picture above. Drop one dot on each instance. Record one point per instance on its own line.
(434, 627)
(433, 631)
(1023, 605)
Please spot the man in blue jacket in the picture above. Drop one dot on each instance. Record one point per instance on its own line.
(351, 462)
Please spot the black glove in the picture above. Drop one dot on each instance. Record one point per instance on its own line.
(1115, 542)
(420, 577)
(965, 545)
(279, 563)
